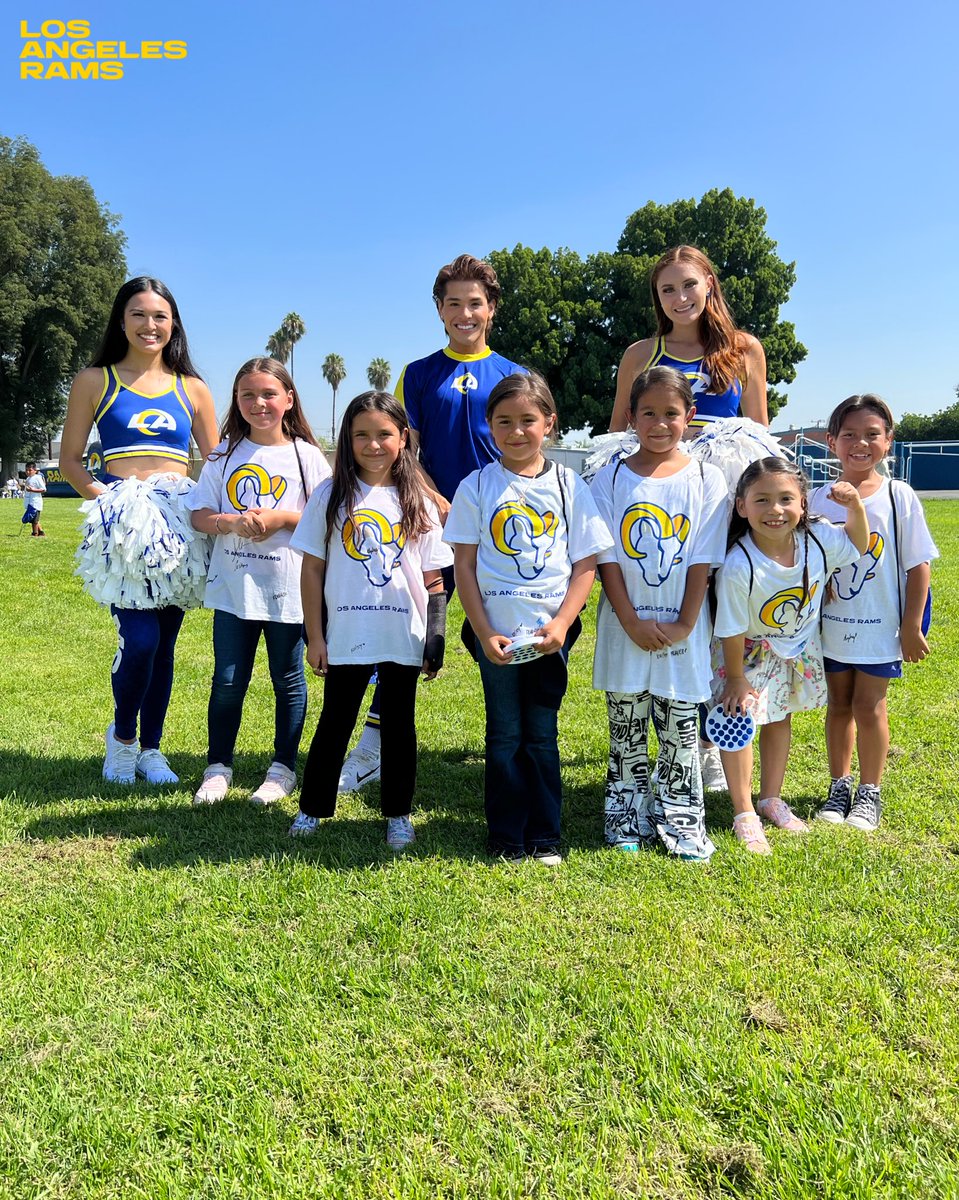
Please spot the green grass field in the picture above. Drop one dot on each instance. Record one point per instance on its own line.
(193, 1005)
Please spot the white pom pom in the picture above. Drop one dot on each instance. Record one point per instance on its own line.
(139, 548)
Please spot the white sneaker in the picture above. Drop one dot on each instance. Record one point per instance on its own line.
(303, 825)
(279, 782)
(711, 766)
(217, 779)
(399, 832)
(154, 768)
(120, 764)
(362, 767)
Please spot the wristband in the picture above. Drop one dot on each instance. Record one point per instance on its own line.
(216, 523)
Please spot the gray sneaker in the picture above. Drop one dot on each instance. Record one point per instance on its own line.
(838, 802)
(866, 808)
(399, 832)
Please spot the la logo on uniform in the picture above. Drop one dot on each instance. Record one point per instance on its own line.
(151, 422)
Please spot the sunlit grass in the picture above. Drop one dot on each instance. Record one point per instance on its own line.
(193, 1005)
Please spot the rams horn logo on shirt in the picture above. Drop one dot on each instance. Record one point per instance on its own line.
(250, 487)
(654, 539)
(787, 605)
(152, 421)
(525, 534)
(465, 383)
(850, 581)
(369, 538)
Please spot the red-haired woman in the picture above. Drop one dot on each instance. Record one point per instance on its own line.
(696, 334)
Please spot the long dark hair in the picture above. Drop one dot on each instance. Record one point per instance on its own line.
(739, 526)
(295, 425)
(114, 345)
(724, 345)
(867, 402)
(415, 517)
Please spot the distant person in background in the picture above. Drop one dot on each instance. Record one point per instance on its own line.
(139, 553)
(445, 397)
(33, 488)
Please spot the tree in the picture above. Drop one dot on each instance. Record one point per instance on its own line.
(572, 318)
(334, 372)
(277, 346)
(379, 373)
(942, 426)
(61, 263)
(292, 330)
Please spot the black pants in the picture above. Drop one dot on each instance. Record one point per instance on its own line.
(342, 697)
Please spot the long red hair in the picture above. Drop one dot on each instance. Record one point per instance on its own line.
(724, 344)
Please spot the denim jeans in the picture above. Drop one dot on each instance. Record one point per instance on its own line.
(142, 675)
(234, 649)
(523, 789)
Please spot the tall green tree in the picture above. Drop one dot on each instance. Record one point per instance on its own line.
(572, 318)
(292, 329)
(61, 262)
(334, 372)
(379, 373)
(278, 347)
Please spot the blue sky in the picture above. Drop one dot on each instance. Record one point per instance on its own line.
(328, 158)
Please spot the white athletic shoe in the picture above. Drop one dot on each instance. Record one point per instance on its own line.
(279, 782)
(711, 765)
(399, 833)
(120, 764)
(217, 779)
(154, 768)
(362, 767)
(303, 825)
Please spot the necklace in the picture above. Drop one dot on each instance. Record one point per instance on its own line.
(521, 492)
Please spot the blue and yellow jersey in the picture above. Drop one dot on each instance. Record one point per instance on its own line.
(709, 405)
(134, 425)
(445, 398)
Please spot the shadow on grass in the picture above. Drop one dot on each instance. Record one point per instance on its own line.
(169, 832)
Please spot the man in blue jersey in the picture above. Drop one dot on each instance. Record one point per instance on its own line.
(445, 399)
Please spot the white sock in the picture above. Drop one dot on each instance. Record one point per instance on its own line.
(369, 739)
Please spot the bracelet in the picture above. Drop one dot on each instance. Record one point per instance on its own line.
(216, 523)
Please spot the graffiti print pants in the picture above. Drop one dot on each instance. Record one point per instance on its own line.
(667, 808)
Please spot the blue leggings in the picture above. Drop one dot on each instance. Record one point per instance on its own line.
(143, 671)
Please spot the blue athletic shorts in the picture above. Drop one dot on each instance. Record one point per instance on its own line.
(886, 670)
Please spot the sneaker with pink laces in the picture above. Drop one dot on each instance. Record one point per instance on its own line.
(749, 830)
(279, 782)
(777, 812)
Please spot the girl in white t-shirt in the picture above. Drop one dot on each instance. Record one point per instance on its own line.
(875, 619)
(770, 591)
(525, 533)
(667, 512)
(373, 600)
(250, 495)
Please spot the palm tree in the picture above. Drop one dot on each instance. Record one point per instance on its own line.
(378, 373)
(278, 347)
(334, 372)
(293, 329)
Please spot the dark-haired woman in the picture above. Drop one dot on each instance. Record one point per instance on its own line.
(139, 553)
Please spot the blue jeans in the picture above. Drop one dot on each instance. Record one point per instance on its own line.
(142, 675)
(234, 648)
(523, 789)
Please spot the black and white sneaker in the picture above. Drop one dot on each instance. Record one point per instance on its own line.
(866, 808)
(547, 856)
(838, 802)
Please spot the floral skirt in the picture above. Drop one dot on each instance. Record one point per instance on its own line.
(784, 685)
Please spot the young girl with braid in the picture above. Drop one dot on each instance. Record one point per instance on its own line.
(770, 592)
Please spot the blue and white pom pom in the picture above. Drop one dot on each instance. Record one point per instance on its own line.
(732, 443)
(139, 548)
